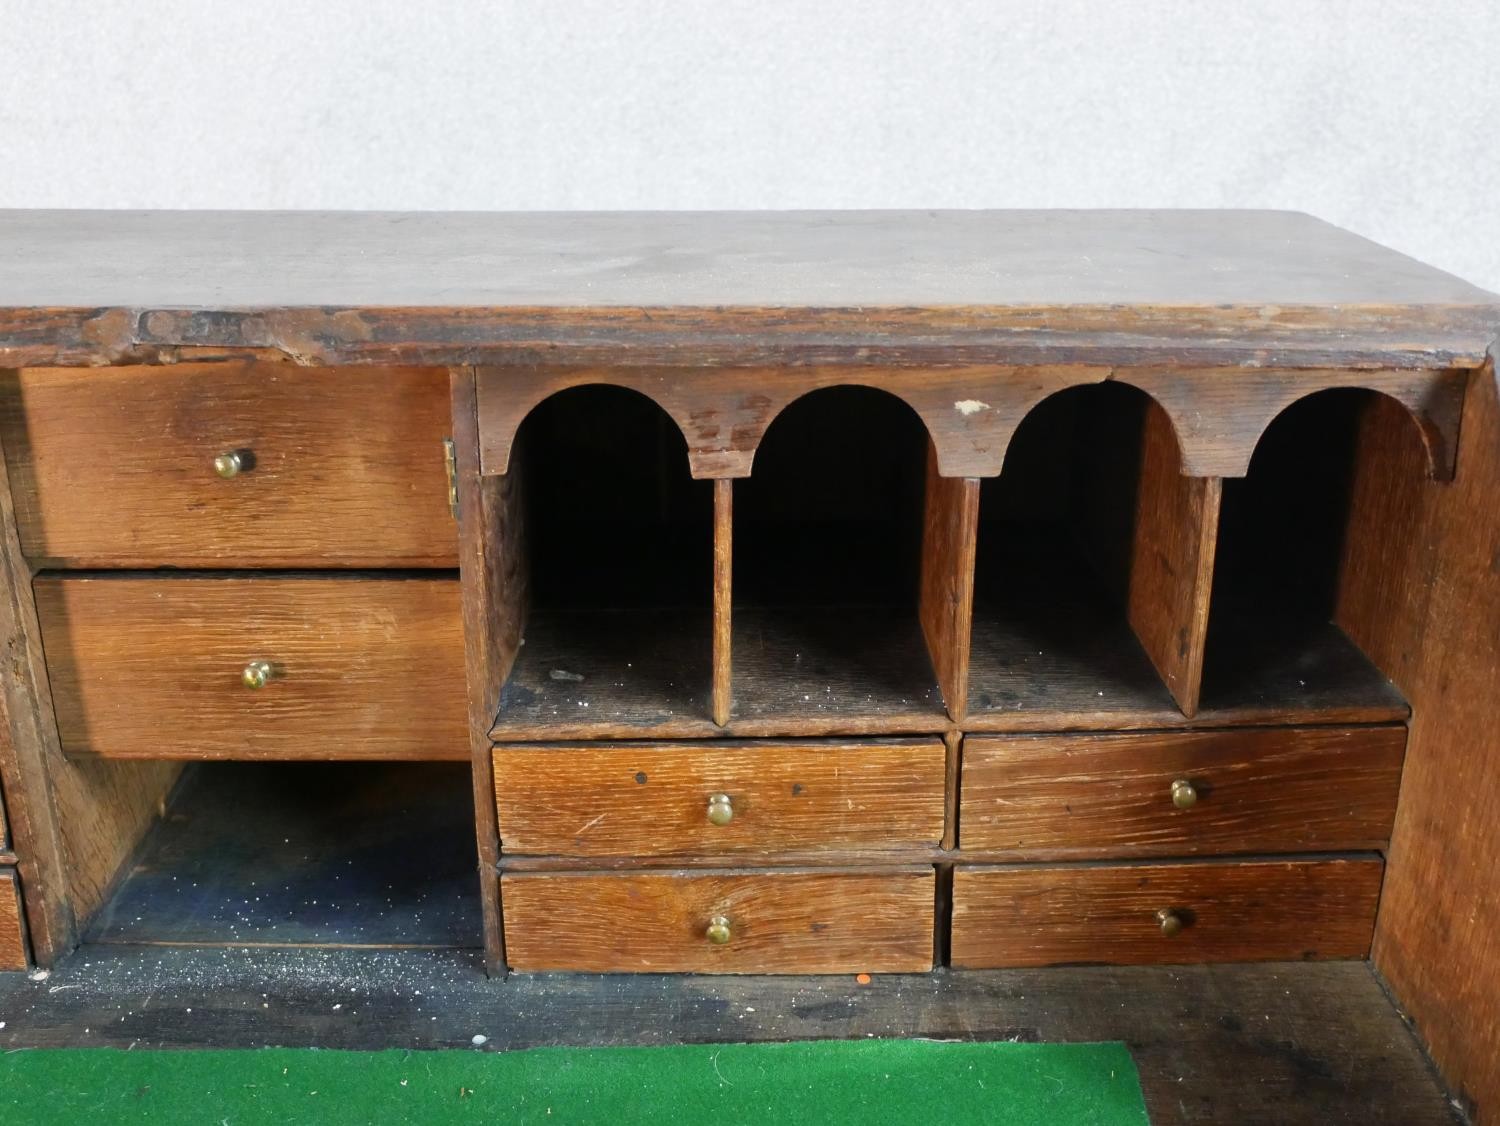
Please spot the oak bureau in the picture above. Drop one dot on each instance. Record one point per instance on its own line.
(765, 592)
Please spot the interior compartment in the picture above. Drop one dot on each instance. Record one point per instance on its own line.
(1272, 646)
(827, 558)
(304, 854)
(618, 546)
(1052, 646)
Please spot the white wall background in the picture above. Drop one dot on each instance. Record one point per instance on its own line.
(1380, 116)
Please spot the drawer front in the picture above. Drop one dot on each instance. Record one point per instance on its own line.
(115, 467)
(674, 800)
(1273, 790)
(1042, 915)
(155, 668)
(12, 947)
(773, 922)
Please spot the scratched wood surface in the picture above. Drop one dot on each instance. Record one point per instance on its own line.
(12, 944)
(651, 800)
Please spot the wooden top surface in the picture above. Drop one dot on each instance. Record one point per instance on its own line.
(741, 282)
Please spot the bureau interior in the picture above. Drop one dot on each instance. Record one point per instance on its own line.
(826, 561)
(616, 542)
(303, 854)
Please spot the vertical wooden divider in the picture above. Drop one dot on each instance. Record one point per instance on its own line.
(1172, 560)
(950, 526)
(494, 580)
(723, 659)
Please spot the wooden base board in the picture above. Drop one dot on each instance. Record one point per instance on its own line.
(1285, 1043)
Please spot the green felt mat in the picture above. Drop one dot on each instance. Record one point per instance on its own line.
(874, 1081)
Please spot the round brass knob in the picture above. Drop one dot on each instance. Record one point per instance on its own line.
(1184, 794)
(1170, 922)
(720, 809)
(718, 930)
(233, 463)
(257, 674)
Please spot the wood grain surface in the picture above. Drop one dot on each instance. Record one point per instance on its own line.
(723, 651)
(151, 667)
(1172, 561)
(1420, 590)
(1258, 288)
(1264, 910)
(1281, 789)
(780, 922)
(115, 467)
(945, 603)
(12, 944)
(652, 799)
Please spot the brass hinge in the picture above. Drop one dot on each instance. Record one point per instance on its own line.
(450, 462)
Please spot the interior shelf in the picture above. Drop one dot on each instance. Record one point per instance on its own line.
(617, 543)
(305, 854)
(826, 635)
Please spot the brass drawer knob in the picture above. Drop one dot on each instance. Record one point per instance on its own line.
(718, 930)
(720, 809)
(1170, 922)
(257, 674)
(1184, 794)
(233, 463)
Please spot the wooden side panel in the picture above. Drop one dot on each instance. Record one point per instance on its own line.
(723, 654)
(778, 922)
(654, 800)
(1042, 915)
(12, 945)
(114, 467)
(152, 667)
(1172, 561)
(1421, 594)
(950, 527)
(1282, 789)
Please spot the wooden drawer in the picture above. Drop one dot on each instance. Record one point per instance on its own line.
(153, 667)
(114, 467)
(655, 800)
(795, 921)
(1306, 789)
(1041, 915)
(12, 946)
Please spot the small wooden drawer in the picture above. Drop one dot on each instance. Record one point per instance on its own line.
(708, 799)
(116, 467)
(1127, 914)
(1307, 789)
(794, 921)
(12, 946)
(163, 667)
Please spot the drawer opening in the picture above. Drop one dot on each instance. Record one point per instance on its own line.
(1291, 543)
(616, 541)
(826, 635)
(1052, 644)
(304, 854)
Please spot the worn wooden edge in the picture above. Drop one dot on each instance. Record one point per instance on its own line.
(13, 955)
(722, 692)
(971, 411)
(945, 600)
(953, 743)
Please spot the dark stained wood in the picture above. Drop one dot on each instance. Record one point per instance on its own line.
(1280, 789)
(1263, 910)
(833, 670)
(1278, 1044)
(946, 599)
(651, 800)
(583, 674)
(151, 667)
(953, 742)
(12, 943)
(780, 922)
(114, 467)
(723, 657)
(1172, 561)
(493, 582)
(305, 854)
(1251, 287)
(1419, 590)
